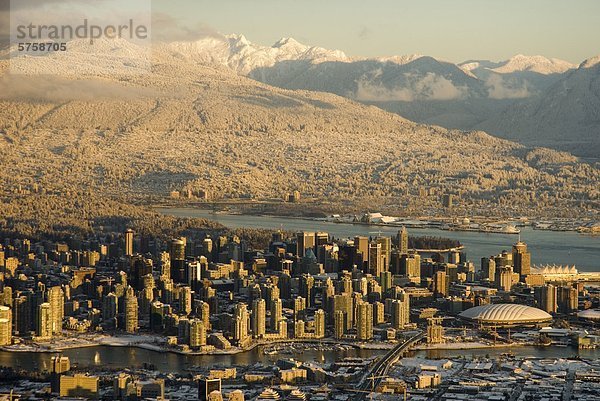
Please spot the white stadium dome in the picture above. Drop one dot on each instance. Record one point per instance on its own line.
(505, 315)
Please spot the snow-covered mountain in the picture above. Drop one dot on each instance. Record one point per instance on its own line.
(565, 116)
(239, 54)
(520, 63)
(531, 99)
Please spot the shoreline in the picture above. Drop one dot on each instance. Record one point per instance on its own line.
(433, 223)
(150, 346)
(117, 341)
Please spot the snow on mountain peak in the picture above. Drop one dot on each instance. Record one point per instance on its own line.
(287, 42)
(243, 56)
(590, 62)
(539, 64)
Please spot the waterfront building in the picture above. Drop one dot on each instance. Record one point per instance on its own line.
(5, 325)
(506, 315)
(197, 333)
(23, 314)
(241, 322)
(435, 330)
(55, 297)
(131, 311)
(44, 321)
(320, 323)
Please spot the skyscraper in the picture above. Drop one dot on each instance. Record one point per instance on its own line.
(304, 241)
(386, 251)
(5, 325)
(276, 314)
(203, 312)
(339, 325)
(343, 303)
(259, 318)
(364, 321)
(197, 333)
(488, 269)
(403, 241)
(44, 321)
(129, 242)
(320, 323)
(110, 307)
(546, 298)
(400, 310)
(504, 278)
(362, 246)
(177, 260)
(241, 320)
(307, 282)
(131, 311)
(567, 299)
(386, 280)
(521, 260)
(440, 284)
(376, 260)
(56, 299)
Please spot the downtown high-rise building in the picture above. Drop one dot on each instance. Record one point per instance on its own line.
(546, 298)
(129, 242)
(440, 284)
(197, 333)
(131, 311)
(400, 311)
(276, 314)
(241, 322)
(521, 260)
(259, 318)
(339, 325)
(44, 321)
(364, 321)
(402, 239)
(5, 325)
(55, 297)
(376, 259)
(320, 323)
(177, 260)
(304, 241)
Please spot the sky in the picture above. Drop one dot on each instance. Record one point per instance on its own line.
(453, 30)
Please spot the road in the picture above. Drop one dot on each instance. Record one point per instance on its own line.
(381, 368)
